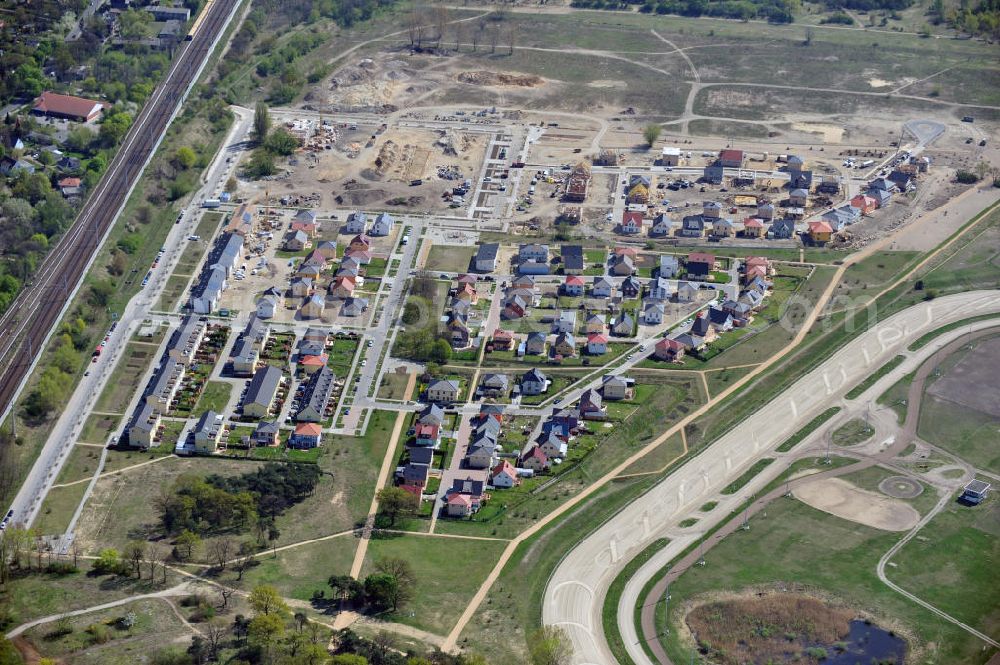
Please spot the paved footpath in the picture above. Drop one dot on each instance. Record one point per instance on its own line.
(574, 595)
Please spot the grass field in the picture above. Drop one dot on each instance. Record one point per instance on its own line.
(299, 571)
(823, 554)
(449, 258)
(656, 459)
(959, 552)
(870, 478)
(172, 291)
(57, 509)
(98, 428)
(439, 594)
(125, 378)
(81, 463)
(872, 273)
(28, 597)
(924, 340)
(155, 625)
(393, 386)
(968, 433)
(614, 594)
(747, 476)
(215, 397)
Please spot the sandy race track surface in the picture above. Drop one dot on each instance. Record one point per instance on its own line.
(842, 499)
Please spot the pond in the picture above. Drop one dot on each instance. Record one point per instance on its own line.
(866, 643)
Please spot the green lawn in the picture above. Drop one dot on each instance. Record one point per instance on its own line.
(80, 464)
(439, 594)
(800, 545)
(98, 428)
(340, 354)
(449, 258)
(215, 397)
(299, 571)
(393, 386)
(971, 434)
(951, 564)
(125, 378)
(172, 292)
(58, 507)
(613, 597)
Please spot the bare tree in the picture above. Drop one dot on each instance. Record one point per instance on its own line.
(459, 29)
(226, 593)
(511, 36)
(75, 550)
(245, 559)
(135, 552)
(412, 25)
(476, 32)
(440, 21)
(215, 632)
(220, 550)
(494, 38)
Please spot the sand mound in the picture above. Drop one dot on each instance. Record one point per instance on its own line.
(842, 499)
(499, 79)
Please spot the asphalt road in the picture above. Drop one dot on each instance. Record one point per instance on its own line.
(575, 593)
(27, 324)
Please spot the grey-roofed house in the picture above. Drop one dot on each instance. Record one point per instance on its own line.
(442, 391)
(185, 340)
(572, 259)
(244, 357)
(261, 392)
(354, 307)
(142, 429)
(782, 229)
(686, 292)
(205, 297)
(616, 387)
(265, 434)
(659, 289)
(296, 240)
(693, 226)
(432, 415)
(565, 322)
(356, 222)
(630, 287)
(533, 382)
(382, 225)
(486, 257)
(534, 345)
(623, 325)
(316, 396)
(662, 226)
(208, 432)
(652, 313)
(494, 385)
(670, 265)
(601, 287)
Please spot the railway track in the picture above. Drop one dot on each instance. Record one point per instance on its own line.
(26, 325)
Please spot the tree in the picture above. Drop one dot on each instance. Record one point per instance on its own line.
(402, 573)
(381, 590)
(260, 164)
(226, 593)
(348, 659)
(215, 632)
(394, 502)
(135, 553)
(651, 132)
(246, 559)
(809, 35)
(221, 551)
(261, 122)
(18, 212)
(108, 561)
(345, 587)
(549, 645)
(114, 127)
(265, 599)
(264, 632)
(186, 544)
(185, 157)
(135, 24)
(281, 142)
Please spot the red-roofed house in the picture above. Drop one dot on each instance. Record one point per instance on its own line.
(753, 227)
(467, 292)
(597, 344)
(631, 223)
(573, 286)
(669, 349)
(460, 505)
(626, 251)
(535, 460)
(310, 364)
(309, 228)
(866, 204)
(427, 434)
(343, 287)
(731, 159)
(361, 242)
(306, 435)
(504, 475)
(820, 231)
(502, 339)
(54, 105)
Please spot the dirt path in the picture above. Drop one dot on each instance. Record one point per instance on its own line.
(905, 437)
